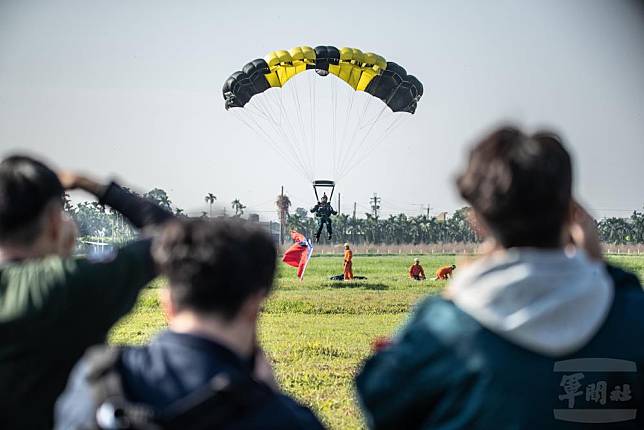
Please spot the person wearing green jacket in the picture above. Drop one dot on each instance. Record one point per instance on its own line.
(53, 306)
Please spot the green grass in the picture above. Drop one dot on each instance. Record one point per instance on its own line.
(317, 332)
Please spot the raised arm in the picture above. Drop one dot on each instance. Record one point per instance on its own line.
(138, 210)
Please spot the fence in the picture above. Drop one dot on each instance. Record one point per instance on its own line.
(446, 248)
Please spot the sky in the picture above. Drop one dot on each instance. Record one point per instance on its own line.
(132, 90)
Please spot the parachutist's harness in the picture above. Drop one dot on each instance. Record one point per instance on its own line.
(323, 212)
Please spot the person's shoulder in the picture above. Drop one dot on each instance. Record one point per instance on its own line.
(623, 279)
(629, 296)
(287, 413)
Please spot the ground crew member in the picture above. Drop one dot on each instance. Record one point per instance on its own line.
(348, 265)
(416, 271)
(444, 272)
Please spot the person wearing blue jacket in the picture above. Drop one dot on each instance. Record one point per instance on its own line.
(206, 370)
(538, 333)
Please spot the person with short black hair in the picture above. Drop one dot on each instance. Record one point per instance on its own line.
(53, 306)
(485, 354)
(207, 366)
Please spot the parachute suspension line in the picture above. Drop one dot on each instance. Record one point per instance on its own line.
(262, 134)
(292, 158)
(302, 132)
(312, 83)
(357, 149)
(334, 105)
(298, 147)
(279, 131)
(346, 123)
(395, 123)
(351, 149)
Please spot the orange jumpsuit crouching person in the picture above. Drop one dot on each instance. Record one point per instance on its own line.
(444, 272)
(348, 265)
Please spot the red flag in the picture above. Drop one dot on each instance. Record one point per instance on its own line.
(299, 253)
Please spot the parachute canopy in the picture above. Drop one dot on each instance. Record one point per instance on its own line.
(366, 72)
(295, 120)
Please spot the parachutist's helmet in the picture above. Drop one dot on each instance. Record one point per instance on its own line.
(324, 198)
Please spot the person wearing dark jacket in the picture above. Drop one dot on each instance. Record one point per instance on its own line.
(212, 302)
(538, 333)
(323, 211)
(53, 306)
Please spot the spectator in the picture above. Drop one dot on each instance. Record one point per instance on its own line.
(53, 306)
(212, 302)
(484, 356)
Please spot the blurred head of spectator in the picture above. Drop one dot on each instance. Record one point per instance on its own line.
(520, 187)
(32, 221)
(219, 273)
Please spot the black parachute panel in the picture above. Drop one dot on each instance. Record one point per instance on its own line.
(396, 88)
(384, 86)
(241, 86)
(256, 71)
(324, 56)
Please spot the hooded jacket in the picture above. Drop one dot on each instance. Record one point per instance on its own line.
(528, 339)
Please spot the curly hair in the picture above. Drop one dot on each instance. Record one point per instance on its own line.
(214, 266)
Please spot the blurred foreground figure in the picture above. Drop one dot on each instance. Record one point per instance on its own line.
(539, 333)
(52, 306)
(206, 371)
(416, 271)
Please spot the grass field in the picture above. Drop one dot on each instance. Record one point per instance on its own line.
(317, 331)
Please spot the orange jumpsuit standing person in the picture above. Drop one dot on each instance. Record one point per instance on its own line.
(416, 271)
(348, 265)
(444, 272)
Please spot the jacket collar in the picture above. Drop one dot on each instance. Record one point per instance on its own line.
(548, 301)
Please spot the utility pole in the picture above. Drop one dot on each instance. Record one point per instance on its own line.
(428, 209)
(353, 228)
(282, 219)
(338, 202)
(375, 204)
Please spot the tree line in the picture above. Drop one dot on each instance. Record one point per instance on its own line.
(95, 220)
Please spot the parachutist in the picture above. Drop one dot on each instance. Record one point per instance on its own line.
(323, 212)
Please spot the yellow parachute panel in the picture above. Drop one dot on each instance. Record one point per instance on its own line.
(372, 65)
(281, 63)
(303, 56)
(351, 66)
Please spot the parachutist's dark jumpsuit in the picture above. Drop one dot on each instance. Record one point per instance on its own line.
(323, 212)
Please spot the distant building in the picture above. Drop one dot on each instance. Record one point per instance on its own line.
(441, 217)
(273, 228)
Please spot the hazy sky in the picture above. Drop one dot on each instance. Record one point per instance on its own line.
(133, 89)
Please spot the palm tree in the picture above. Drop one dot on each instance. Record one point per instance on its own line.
(283, 204)
(210, 199)
(238, 207)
